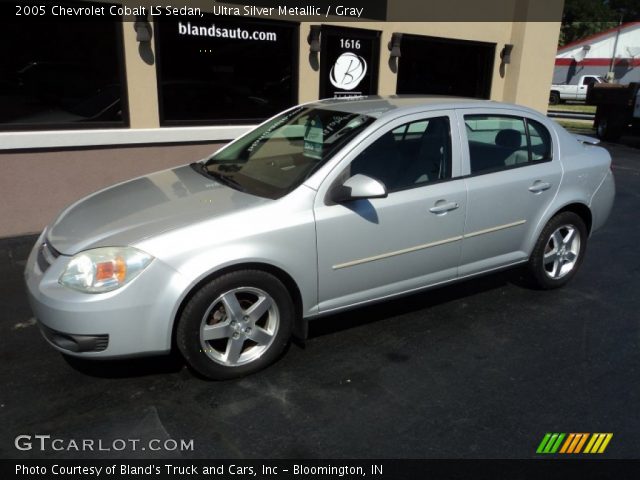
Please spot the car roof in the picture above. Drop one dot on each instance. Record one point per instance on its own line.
(398, 105)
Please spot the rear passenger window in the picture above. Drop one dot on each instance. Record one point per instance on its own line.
(540, 141)
(499, 142)
(408, 156)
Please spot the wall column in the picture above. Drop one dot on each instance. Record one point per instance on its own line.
(142, 89)
(529, 75)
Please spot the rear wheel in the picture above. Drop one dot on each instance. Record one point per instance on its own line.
(236, 324)
(554, 98)
(608, 130)
(559, 251)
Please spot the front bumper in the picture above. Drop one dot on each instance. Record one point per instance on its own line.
(136, 319)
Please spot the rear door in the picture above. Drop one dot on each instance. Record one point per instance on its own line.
(512, 175)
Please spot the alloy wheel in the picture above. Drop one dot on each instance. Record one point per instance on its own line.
(561, 252)
(239, 326)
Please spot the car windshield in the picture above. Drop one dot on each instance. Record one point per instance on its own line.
(278, 156)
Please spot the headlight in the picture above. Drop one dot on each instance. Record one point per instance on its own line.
(104, 269)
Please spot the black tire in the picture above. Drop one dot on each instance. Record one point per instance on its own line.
(206, 357)
(539, 271)
(608, 130)
(554, 98)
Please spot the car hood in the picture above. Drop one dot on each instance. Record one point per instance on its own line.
(143, 207)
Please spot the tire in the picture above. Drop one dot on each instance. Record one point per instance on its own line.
(554, 98)
(606, 130)
(551, 266)
(220, 346)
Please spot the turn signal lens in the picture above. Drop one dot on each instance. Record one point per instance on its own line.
(104, 269)
(117, 268)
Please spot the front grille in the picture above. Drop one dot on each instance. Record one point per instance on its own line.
(102, 342)
(46, 256)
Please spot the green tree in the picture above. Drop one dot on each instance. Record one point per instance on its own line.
(626, 10)
(582, 18)
(585, 17)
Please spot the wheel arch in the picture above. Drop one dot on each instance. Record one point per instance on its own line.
(580, 209)
(300, 328)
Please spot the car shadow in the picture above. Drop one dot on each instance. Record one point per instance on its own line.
(173, 362)
(127, 368)
(416, 302)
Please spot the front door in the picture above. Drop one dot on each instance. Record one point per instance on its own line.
(380, 247)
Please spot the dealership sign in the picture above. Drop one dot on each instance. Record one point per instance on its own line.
(348, 62)
(348, 71)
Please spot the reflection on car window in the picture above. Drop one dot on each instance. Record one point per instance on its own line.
(540, 141)
(408, 156)
(497, 142)
(278, 156)
(225, 74)
(61, 75)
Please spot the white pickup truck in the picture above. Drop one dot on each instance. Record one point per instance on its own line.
(560, 93)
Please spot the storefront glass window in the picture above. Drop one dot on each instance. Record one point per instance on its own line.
(444, 66)
(217, 70)
(61, 74)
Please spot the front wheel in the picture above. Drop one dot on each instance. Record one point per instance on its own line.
(236, 324)
(559, 251)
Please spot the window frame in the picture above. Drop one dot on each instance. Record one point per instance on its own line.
(341, 171)
(462, 116)
(550, 138)
(295, 77)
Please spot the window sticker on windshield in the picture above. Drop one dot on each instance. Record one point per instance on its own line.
(313, 137)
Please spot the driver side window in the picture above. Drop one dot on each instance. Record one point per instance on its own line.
(408, 156)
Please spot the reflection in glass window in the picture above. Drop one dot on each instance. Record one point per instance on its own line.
(219, 70)
(408, 156)
(276, 157)
(445, 66)
(56, 74)
(540, 141)
(496, 142)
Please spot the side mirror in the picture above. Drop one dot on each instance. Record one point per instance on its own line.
(357, 187)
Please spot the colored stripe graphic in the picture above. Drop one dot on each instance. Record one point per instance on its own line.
(567, 443)
(550, 443)
(581, 442)
(598, 442)
(574, 442)
(543, 443)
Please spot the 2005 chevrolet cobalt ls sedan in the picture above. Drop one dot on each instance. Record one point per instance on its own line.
(325, 207)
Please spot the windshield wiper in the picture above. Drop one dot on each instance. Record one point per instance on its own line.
(224, 179)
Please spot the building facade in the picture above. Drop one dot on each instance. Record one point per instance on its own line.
(613, 54)
(88, 104)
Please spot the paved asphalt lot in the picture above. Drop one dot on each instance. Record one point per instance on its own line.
(481, 369)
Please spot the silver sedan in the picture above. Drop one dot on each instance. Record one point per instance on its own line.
(325, 207)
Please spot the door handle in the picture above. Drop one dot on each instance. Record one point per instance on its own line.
(442, 208)
(539, 187)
